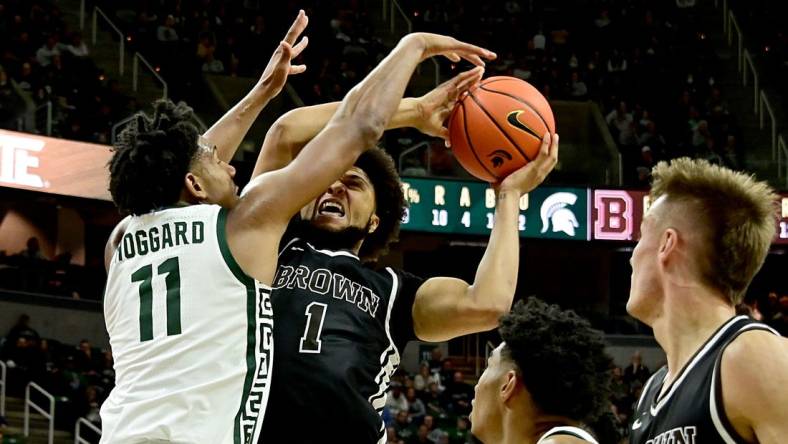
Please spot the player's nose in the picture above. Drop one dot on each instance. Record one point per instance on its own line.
(337, 188)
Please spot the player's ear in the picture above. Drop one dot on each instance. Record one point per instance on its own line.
(194, 188)
(509, 385)
(374, 221)
(668, 243)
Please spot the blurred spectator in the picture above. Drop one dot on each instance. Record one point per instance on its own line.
(11, 103)
(416, 408)
(396, 401)
(458, 394)
(402, 425)
(47, 51)
(421, 436)
(636, 371)
(423, 379)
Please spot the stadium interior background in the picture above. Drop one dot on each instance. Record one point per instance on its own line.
(631, 82)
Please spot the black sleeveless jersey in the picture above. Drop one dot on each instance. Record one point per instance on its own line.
(342, 327)
(691, 409)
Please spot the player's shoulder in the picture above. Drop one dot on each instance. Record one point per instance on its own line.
(755, 350)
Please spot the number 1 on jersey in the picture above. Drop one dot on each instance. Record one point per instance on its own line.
(315, 315)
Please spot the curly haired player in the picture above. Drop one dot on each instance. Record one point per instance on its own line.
(545, 381)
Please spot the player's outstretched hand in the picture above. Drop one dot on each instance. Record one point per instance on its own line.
(435, 106)
(279, 67)
(531, 175)
(449, 47)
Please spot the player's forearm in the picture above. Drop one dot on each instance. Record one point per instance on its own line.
(496, 276)
(228, 132)
(373, 102)
(291, 132)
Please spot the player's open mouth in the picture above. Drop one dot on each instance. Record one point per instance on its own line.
(332, 208)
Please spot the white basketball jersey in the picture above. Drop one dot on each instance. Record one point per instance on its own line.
(191, 334)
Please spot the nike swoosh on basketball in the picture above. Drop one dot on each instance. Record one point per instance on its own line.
(513, 120)
(636, 425)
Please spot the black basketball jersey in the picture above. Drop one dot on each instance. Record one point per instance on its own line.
(342, 327)
(691, 411)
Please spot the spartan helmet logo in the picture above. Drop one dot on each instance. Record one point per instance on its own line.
(554, 211)
(498, 157)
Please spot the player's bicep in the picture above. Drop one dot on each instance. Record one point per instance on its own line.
(754, 384)
(275, 153)
(445, 308)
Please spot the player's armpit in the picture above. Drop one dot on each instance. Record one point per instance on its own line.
(114, 241)
(446, 308)
(755, 386)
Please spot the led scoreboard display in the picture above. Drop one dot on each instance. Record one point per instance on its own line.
(465, 207)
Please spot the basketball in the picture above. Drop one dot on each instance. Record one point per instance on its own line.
(498, 127)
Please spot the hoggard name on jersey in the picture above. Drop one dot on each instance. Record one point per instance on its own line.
(171, 234)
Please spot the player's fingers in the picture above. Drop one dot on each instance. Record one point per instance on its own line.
(452, 56)
(544, 148)
(297, 69)
(298, 26)
(554, 150)
(478, 50)
(465, 80)
(287, 50)
(444, 134)
(473, 58)
(297, 49)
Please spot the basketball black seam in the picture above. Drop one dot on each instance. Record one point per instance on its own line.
(509, 138)
(533, 108)
(470, 144)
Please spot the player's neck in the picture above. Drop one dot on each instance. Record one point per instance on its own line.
(687, 322)
(516, 430)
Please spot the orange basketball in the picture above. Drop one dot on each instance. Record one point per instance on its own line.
(498, 127)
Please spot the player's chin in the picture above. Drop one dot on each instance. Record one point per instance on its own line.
(330, 223)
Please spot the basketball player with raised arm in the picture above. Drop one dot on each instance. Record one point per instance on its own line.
(726, 380)
(341, 325)
(187, 303)
(547, 380)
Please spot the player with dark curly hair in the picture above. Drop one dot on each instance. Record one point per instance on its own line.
(545, 381)
(342, 325)
(187, 303)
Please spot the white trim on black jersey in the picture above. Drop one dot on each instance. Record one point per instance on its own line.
(390, 357)
(654, 409)
(287, 245)
(333, 253)
(716, 418)
(568, 430)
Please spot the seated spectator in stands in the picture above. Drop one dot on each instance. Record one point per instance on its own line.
(166, 32)
(621, 123)
(460, 434)
(433, 400)
(578, 88)
(11, 103)
(458, 394)
(33, 250)
(47, 51)
(396, 401)
(436, 360)
(402, 425)
(77, 47)
(21, 329)
(420, 437)
(212, 65)
(422, 380)
(643, 167)
(85, 360)
(416, 408)
(391, 435)
(636, 371)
